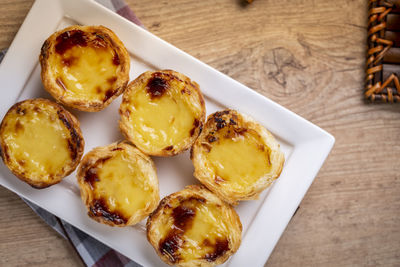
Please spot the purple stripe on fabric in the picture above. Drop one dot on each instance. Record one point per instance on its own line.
(127, 13)
(112, 258)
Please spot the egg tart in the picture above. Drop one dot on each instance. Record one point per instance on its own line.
(118, 184)
(40, 142)
(193, 227)
(84, 67)
(162, 112)
(236, 157)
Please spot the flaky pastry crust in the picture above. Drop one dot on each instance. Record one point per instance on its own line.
(182, 235)
(231, 125)
(19, 137)
(55, 51)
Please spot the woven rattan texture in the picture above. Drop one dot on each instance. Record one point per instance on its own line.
(383, 56)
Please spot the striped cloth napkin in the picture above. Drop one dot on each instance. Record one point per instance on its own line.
(91, 251)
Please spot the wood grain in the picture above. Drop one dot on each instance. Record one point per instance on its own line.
(306, 55)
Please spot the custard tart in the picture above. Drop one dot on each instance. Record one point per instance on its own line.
(40, 142)
(162, 112)
(118, 184)
(84, 67)
(235, 157)
(193, 227)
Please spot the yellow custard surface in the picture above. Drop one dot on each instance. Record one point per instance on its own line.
(161, 121)
(86, 71)
(38, 141)
(122, 185)
(238, 161)
(207, 228)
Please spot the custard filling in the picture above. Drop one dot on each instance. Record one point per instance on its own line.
(85, 65)
(162, 120)
(38, 142)
(238, 161)
(121, 185)
(195, 230)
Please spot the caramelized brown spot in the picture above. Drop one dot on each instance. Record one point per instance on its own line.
(196, 124)
(108, 95)
(69, 61)
(168, 148)
(183, 219)
(20, 111)
(221, 246)
(21, 162)
(112, 80)
(220, 122)
(156, 86)
(211, 138)
(206, 243)
(69, 39)
(98, 89)
(99, 209)
(183, 216)
(19, 127)
(116, 149)
(59, 81)
(116, 60)
(91, 176)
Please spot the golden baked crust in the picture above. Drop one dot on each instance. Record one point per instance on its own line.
(193, 227)
(84, 67)
(235, 157)
(119, 184)
(40, 142)
(162, 112)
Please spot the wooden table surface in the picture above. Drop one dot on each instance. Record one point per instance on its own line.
(307, 56)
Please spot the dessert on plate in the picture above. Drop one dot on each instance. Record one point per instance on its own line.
(162, 112)
(236, 157)
(193, 227)
(40, 141)
(84, 67)
(118, 184)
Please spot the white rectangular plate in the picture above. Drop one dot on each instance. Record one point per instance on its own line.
(305, 145)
